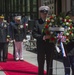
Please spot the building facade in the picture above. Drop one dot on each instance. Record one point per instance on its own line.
(58, 6)
(30, 7)
(19, 7)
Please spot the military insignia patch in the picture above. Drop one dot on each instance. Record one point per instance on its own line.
(21, 26)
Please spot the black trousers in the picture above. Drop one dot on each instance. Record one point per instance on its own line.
(45, 52)
(4, 50)
(68, 62)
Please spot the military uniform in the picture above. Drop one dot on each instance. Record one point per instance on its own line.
(18, 34)
(4, 38)
(44, 47)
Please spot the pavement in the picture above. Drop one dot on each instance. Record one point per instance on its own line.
(31, 57)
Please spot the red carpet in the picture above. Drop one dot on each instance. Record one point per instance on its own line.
(12, 67)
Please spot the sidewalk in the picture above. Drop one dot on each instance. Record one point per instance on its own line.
(31, 57)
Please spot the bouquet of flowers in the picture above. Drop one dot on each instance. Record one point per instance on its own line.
(59, 27)
(60, 30)
(50, 22)
(69, 28)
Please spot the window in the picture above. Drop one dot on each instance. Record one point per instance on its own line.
(27, 7)
(72, 6)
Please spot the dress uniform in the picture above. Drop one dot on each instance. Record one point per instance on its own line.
(44, 47)
(4, 38)
(18, 34)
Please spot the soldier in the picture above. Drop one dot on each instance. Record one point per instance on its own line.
(4, 38)
(18, 35)
(44, 47)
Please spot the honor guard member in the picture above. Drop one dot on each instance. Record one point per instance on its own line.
(44, 47)
(18, 35)
(4, 38)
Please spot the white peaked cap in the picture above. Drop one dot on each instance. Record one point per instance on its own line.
(44, 8)
(18, 17)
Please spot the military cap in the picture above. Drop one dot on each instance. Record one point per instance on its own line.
(1, 16)
(18, 17)
(44, 9)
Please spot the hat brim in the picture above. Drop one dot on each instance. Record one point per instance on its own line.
(2, 17)
(18, 19)
(43, 11)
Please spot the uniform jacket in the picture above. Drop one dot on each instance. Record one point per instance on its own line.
(4, 32)
(37, 30)
(38, 34)
(17, 31)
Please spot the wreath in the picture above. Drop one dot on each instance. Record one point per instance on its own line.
(59, 28)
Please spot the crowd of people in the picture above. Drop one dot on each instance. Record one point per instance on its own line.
(16, 31)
